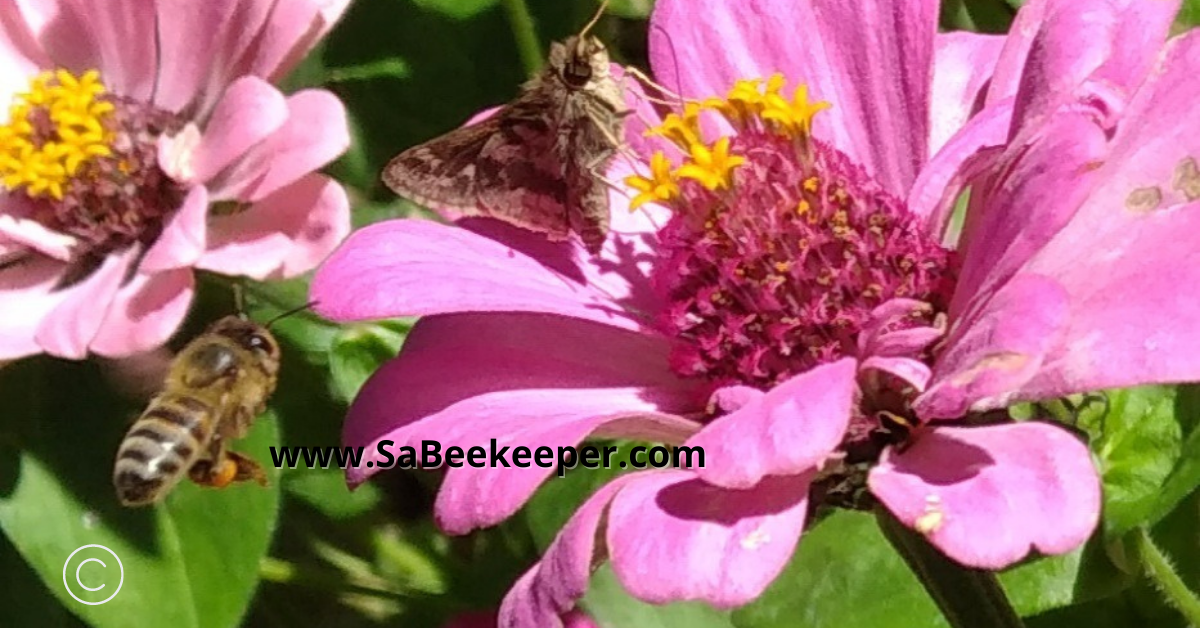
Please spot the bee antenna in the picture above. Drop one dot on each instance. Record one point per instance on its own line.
(239, 300)
(595, 18)
(288, 313)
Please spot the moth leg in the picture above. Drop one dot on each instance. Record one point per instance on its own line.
(644, 79)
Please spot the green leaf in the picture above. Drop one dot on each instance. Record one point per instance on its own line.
(456, 9)
(632, 9)
(844, 573)
(325, 490)
(989, 16)
(358, 351)
(1138, 439)
(191, 561)
(1189, 15)
(612, 607)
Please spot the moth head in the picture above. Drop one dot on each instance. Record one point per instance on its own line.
(578, 60)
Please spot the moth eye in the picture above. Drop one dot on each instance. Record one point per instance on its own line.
(576, 74)
(256, 341)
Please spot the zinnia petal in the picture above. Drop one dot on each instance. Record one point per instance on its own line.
(873, 60)
(790, 430)
(722, 546)
(145, 313)
(283, 235)
(987, 496)
(417, 267)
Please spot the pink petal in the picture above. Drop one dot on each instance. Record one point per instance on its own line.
(522, 379)
(963, 64)
(27, 296)
(293, 29)
(183, 238)
(995, 351)
(76, 319)
(987, 496)
(200, 43)
(790, 430)
(552, 586)
(914, 372)
(249, 111)
(145, 313)
(1129, 321)
(872, 60)
(29, 233)
(1010, 215)
(22, 55)
(113, 36)
(1114, 43)
(417, 267)
(971, 151)
(315, 133)
(672, 537)
(283, 235)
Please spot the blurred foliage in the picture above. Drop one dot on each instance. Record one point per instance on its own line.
(307, 551)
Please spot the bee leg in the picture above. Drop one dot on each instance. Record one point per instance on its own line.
(214, 474)
(247, 468)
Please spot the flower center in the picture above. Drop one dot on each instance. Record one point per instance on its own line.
(87, 161)
(779, 246)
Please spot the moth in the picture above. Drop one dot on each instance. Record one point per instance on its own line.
(535, 162)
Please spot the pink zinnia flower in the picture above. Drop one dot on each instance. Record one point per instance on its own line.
(795, 313)
(143, 140)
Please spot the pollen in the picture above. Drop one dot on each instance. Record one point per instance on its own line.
(683, 129)
(56, 127)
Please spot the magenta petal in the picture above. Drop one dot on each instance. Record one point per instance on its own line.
(1115, 43)
(963, 66)
(552, 586)
(249, 111)
(184, 237)
(315, 133)
(873, 60)
(987, 496)
(145, 314)
(523, 380)
(990, 355)
(418, 267)
(969, 152)
(790, 430)
(113, 36)
(283, 235)
(1011, 217)
(76, 319)
(672, 537)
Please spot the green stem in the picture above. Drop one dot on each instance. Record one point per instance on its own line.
(969, 598)
(525, 33)
(1158, 569)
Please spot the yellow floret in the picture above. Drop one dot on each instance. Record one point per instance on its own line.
(39, 160)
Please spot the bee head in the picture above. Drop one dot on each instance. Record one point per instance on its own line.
(248, 335)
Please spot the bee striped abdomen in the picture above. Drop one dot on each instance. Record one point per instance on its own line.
(160, 447)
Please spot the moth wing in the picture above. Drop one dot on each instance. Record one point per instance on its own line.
(443, 173)
(524, 170)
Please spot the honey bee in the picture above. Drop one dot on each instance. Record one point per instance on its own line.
(215, 388)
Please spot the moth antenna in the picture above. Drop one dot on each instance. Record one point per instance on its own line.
(239, 300)
(595, 18)
(675, 59)
(290, 312)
